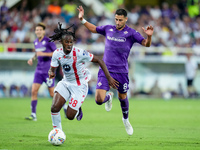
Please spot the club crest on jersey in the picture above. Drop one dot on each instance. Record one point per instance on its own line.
(66, 68)
(43, 42)
(99, 84)
(85, 53)
(125, 32)
(110, 29)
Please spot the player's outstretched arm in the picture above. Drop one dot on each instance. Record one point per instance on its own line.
(112, 82)
(149, 32)
(52, 72)
(87, 24)
(44, 54)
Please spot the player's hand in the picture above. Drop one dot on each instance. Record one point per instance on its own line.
(30, 62)
(81, 12)
(148, 30)
(51, 74)
(113, 83)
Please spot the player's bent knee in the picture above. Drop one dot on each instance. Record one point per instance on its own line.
(34, 93)
(99, 100)
(54, 109)
(70, 117)
(98, 103)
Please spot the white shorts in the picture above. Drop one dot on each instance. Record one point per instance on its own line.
(75, 94)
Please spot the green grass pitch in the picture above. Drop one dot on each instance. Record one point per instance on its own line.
(158, 125)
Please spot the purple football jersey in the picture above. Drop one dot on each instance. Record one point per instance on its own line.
(44, 45)
(117, 46)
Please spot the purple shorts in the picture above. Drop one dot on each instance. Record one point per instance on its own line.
(122, 78)
(43, 77)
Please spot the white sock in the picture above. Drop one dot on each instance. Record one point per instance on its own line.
(33, 114)
(125, 119)
(56, 120)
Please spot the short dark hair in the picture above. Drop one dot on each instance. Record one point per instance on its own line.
(41, 25)
(121, 12)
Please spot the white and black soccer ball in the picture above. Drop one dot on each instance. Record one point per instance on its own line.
(56, 137)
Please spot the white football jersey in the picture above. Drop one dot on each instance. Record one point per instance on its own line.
(73, 64)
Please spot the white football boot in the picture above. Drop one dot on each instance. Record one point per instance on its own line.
(128, 127)
(108, 104)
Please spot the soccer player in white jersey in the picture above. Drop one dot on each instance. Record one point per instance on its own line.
(74, 85)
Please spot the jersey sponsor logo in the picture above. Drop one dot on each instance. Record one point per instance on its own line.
(40, 49)
(119, 39)
(66, 68)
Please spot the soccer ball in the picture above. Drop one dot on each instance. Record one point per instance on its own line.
(56, 137)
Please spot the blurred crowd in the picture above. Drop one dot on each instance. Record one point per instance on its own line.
(173, 24)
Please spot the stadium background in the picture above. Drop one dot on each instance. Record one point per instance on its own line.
(176, 32)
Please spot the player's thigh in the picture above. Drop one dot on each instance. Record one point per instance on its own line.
(58, 102)
(63, 90)
(78, 95)
(61, 95)
(100, 95)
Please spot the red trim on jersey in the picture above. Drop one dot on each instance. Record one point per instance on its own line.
(74, 67)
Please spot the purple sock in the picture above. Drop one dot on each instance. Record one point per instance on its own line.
(33, 106)
(125, 107)
(105, 100)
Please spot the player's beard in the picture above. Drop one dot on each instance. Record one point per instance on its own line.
(120, 27)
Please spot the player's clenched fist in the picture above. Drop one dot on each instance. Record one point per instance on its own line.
(51, 74)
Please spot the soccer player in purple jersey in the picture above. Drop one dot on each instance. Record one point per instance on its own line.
(119, 40)
(44, 51)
